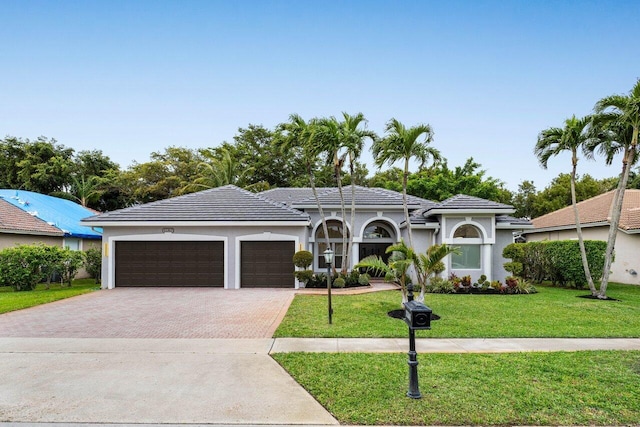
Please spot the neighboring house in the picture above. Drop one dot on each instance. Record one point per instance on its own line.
(595, 216)
(228, 237)
(27, 218)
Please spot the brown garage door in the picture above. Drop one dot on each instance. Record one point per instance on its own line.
(170, 264)
(267, 264)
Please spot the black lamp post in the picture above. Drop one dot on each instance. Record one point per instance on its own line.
(328, 259)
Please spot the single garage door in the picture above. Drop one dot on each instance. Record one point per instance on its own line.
(267, 264)
(170, 263)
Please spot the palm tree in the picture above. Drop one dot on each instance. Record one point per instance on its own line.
(430, 264)
(353, 140)
(396, 269)
(405, 144)
(617, 121)
(553, 141)
(221, 168)
(303, 135)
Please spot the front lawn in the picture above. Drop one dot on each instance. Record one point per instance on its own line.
(582, 388)
(11, 300)
(552, 312)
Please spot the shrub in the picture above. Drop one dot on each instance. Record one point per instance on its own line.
(523, 286)
(351, 279)
(513, 267)
(364, 279)
(24, 266)
(439, 285)
(20, 267)
(304, 276)
(72, 261)
(93, 263)
(338, 283)
(317, 281)
(302, 259)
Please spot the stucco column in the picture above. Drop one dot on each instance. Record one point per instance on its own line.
(487, 260)
(355, 254)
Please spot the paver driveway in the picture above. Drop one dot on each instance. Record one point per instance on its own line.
(154, 313)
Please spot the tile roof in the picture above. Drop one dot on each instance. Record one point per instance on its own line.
(62, 214)
(465, 202)
(595, 210)
(364, 196)
(290, 195)
(227, 203)
(16, 220)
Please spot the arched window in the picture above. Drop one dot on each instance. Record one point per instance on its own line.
(334, 228)
(376, 231)
(468, 239)
(467, 231)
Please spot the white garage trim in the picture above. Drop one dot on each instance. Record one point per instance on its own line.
(161, 237)
(262, 237)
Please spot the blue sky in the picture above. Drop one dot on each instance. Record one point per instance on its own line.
(133, 77)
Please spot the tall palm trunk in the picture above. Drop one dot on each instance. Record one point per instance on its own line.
(405, 179)
(343, 213)
(617, 210)
(312, 182)
(583, 251)
(353, 209)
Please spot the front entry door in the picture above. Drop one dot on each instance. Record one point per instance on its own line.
(368, 249)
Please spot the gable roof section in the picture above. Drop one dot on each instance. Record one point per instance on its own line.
(292, 195)
(222, 204)
(463, 203)
(62, 214)
(595, 211)
(15, 220)
(364, 196)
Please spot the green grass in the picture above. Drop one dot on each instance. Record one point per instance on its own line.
(11, 300)
(582, 388)
(553, 312)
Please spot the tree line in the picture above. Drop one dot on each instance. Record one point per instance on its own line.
(259, 158)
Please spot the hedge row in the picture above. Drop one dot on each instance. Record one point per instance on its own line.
(558, 261)
(24, 266)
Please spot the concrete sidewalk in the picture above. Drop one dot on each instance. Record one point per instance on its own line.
(450, 345)
(150, 381)
(124, 381)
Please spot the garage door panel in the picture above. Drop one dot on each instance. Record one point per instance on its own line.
(267, 264)
(178, 263)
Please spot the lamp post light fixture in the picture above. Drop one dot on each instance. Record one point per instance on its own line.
(328, 259)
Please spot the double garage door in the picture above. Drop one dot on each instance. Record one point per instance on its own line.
(202, 263)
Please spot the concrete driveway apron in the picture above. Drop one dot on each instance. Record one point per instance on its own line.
(164, 355)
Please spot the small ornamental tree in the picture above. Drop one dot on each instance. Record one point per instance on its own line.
(93, 263)
(303, 259)
(72, 262)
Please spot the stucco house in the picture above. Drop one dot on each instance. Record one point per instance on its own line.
(228, 237)
(28, 218)
(595, 219)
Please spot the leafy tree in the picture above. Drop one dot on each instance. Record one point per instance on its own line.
(43, 166)
(553, 141)
(402, 143)
(439, 183)
(617, 122)
(165, 175)
(524, 201)
(12, 151)
(557, 194)
(390, 178)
